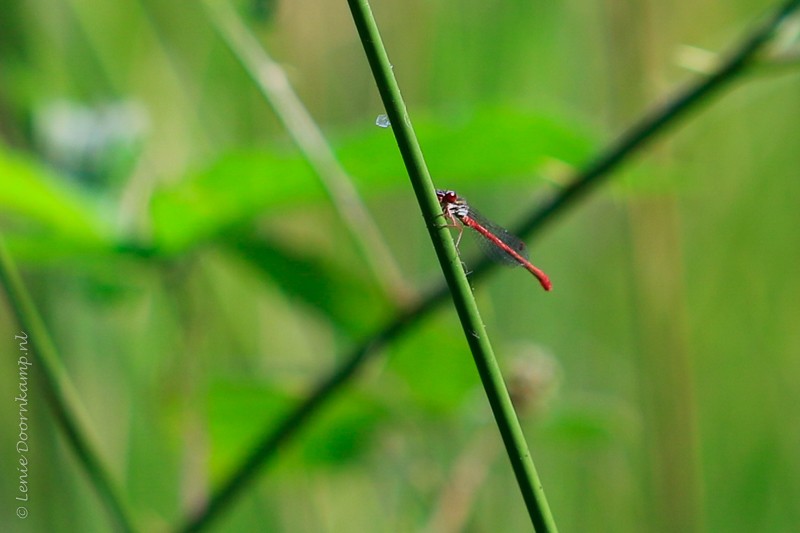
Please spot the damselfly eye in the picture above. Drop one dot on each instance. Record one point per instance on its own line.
(447, 197)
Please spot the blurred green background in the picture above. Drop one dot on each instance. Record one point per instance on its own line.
(198, 281)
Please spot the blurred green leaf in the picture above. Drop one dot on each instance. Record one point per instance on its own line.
(238, 411)
(437, 380)
(489, 143)
(344, 432)
(494, 143)
(344, 297)
(44, 206)
(235, 189)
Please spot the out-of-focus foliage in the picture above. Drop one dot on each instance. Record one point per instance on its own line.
(198, 282)
(243, 184)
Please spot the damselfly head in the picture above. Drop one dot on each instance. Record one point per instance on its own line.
(446, 197)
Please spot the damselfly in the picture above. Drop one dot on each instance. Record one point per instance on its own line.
(498, 244)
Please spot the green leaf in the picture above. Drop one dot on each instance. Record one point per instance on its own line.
(497, 143)
(344, 297)
(449, 377)
(233, 190)
(344, 432)
(238, 411)
(490, 143)
(48, 217)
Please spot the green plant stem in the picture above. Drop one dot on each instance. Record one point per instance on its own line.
(463, 298)
(59, 392)
(657, 120)
(654, 123)
(277, 90)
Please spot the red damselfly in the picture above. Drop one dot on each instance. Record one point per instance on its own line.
(498, 244)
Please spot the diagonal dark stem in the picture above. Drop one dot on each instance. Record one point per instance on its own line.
(638, 136)
(658, 120)
(60, 394)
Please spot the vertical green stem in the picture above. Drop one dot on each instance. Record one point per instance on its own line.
(465, 304)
